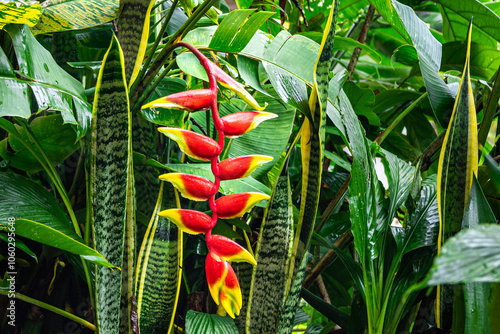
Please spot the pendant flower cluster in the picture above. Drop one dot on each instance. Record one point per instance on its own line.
(222, 281)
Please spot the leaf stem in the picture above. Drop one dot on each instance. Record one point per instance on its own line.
(381, 137)
(53, 309)
(489, 111)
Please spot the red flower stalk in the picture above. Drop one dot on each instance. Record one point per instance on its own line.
(222, 280)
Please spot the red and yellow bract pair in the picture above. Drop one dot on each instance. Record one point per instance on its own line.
(222, 280)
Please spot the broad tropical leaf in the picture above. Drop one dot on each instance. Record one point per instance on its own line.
(19, 12)
(62, 15)
(111, 169)
(197, 322)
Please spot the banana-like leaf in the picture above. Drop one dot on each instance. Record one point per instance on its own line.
(273, 254)
(429, 55)
(133, 33)
(57, 140)
(159, 269)
(19, 244)
(312, 144)
(39, 217)
(237, 28)
(111, 173)
(457, 165)
(62, 15)
(52, 87)
(19, 12)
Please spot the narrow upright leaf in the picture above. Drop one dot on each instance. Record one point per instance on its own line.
(267, 292)
(111, 167)
(457, 165)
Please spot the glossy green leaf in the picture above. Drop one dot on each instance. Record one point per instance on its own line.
(237, 28)
(14, 93)
(52, 87)
(249, 72)
(472, 255)
(484, 62)
(39, 217)
(19, 12)
(273, 254)
(75, 14)
(330, 311)
(429, 54)
(405, 54)
(456, 17)
(387, 10)
(18, 243)
(58, 142)
(197, 322)
(362, 101)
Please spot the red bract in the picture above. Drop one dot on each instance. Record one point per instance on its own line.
(193, 187)
(195, 145)
(236, 205)
(240, 167)
(190, 221)
(221, 278)
(223, 284)
(239, 123)
(191, 100)
(228, 249)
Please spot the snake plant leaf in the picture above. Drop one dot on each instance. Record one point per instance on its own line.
(19, 12)
(273, 254)
(133, 33)
(197, 322)
(457, 165)
(456, 17)
(57, 140)
(110, 172)
(478, 211)
(429, 54)
(39, 217)
(53, 88)
(62, 15)
(312, 143)
(158, 270)
(237, 28)
(472, 255)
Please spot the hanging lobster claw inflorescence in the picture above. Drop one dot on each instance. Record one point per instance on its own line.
(222, 281)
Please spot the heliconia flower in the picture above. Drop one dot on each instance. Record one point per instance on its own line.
(223, 284)
(195, 145)
(235, 205)
(193, 187)
(189, 221)
(227, 81)
(242, 166)
(239, 123)
(228, 249)
(191, 100)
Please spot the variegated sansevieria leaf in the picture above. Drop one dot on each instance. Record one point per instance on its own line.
(273, 255)
(457, 166)
(111, 178)
(158, 270)
(133, 32)
(62, 15)
(19, 12)
(312, 144)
